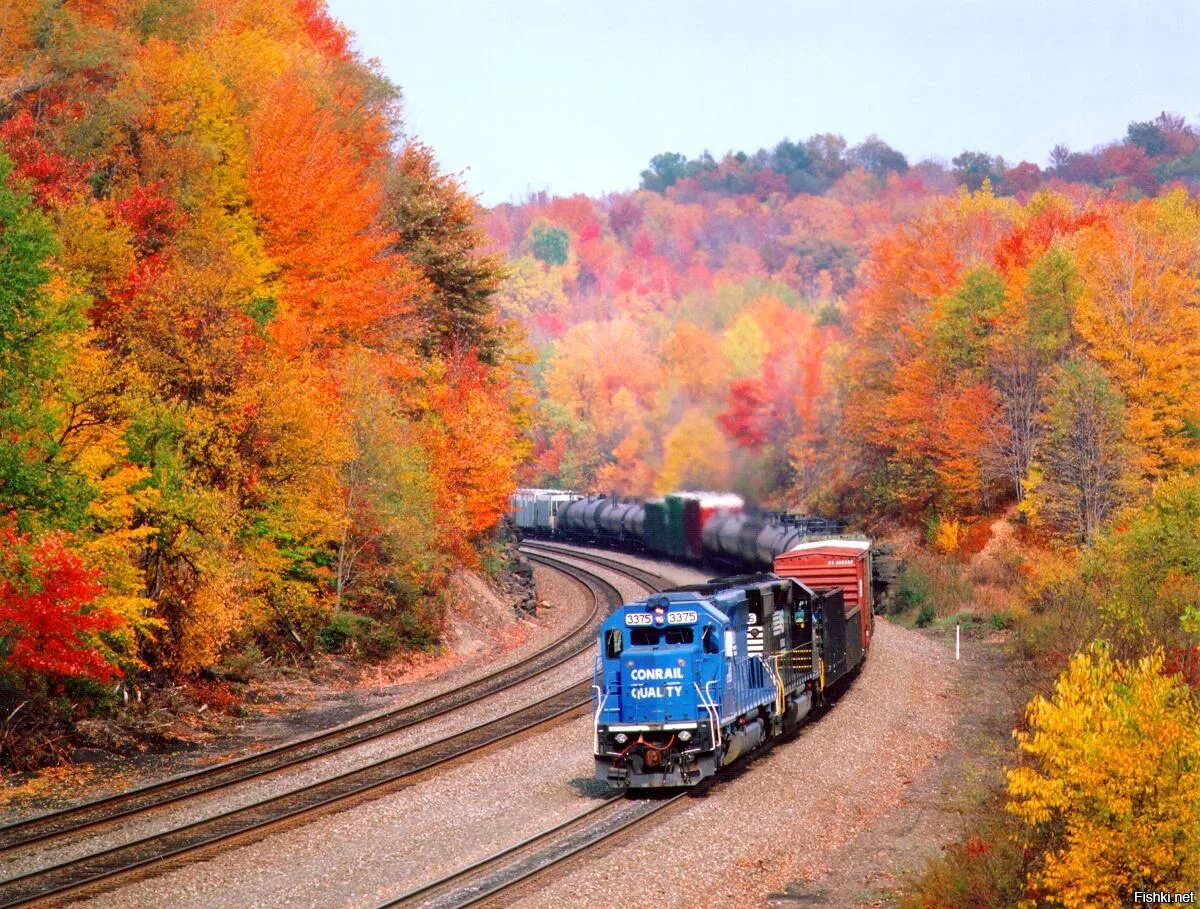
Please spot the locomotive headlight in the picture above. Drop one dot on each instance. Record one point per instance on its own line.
(621, 738)
(685, 736)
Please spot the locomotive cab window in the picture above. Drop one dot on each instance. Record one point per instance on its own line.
(652, 637)
(613, 643)
(710, 639)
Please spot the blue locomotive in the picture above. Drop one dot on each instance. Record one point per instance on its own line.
(690, 679)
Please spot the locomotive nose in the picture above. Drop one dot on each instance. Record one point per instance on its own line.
(657, 685)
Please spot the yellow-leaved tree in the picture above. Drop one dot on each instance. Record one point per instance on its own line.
(1110, 792)
(695, 455)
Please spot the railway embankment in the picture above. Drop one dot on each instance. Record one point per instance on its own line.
(834, 817)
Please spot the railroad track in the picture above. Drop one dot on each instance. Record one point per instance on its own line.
(648, 578)
(290, 754)
(522, 864)
(342, 790)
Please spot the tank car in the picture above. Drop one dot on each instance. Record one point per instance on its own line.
(610, 518)
(579, 519)
(633, 524)
(691, 679)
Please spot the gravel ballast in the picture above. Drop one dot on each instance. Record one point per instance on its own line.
(381, 849)
(248, 870)
(789, 822)
(791, 813)
(202, 806)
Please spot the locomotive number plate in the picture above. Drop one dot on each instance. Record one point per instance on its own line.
(638, 618)
(681, 618)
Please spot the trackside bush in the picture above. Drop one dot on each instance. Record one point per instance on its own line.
(912, 589)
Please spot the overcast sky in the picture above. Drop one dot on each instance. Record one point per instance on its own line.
(570, 96)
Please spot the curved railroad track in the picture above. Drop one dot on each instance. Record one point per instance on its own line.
(340, 791)
(105, 810)
(648, 578)
(521, 865)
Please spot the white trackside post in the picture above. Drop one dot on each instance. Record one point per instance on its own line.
(957, 641)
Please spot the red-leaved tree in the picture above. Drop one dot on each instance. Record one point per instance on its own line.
(48, 623)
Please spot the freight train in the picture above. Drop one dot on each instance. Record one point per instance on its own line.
(702, 527)
(691, 679)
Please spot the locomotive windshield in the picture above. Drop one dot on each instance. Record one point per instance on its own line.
(613, 643)
(653, 637)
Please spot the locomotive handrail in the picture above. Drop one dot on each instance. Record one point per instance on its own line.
(794, 665)
(780, 694)
(710, 708)
(601, 697)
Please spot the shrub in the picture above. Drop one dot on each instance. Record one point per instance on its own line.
(948, 535)
(912, 588)
(1001, 620)
(979, 873)
(381, 641)
(925, 617)
(934, 583)
(1145, 578)
(377, 639)
(244, 660)
(343, 627)
(50, 625)
(966, 619)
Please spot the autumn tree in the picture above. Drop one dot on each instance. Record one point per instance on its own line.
(49, 624)
(827, 157)
(1147, 136)
(695, 455)
(549, 244)
(1081, 475)
(37, 323)
(1143, 578)
(233, 196)
(1110, 789)
(964, 321)
(436, 229)
(1031, 339)
(664, 171)
(319, 208)
(1139, 316)
(877, 157)
(790, 157)
(387, 543)
(972, 168)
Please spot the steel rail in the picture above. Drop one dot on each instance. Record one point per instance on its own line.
(529, 859)
(456, 879)
(376, 778)
(176, 789)
(649, 578)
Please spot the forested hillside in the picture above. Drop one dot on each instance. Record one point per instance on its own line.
(798, 277)
(251, 379)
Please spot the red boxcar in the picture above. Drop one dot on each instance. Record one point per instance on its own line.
(836, 563)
